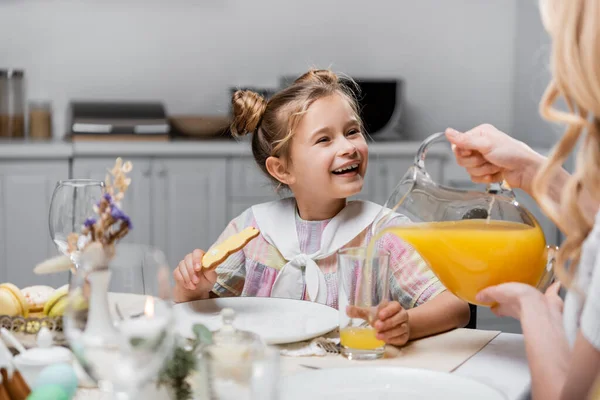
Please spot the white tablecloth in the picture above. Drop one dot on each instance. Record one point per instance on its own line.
(501, 364)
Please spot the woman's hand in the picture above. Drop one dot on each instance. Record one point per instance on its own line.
(508, 298)
(490, 155)
(192, 282)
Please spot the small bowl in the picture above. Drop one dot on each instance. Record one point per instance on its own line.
(31, 362)
(200, 126)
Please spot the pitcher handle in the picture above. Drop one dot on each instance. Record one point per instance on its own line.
(492, 188)
(548, 276)
(422, 152)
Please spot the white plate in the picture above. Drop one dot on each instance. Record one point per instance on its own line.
(383, 383)
(277, 321)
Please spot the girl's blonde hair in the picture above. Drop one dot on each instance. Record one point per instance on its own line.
(272, 123)
(574, 26)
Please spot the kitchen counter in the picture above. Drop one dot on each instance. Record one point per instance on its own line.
(35, 150)
(31, 150)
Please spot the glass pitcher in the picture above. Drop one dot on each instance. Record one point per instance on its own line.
(470, 239)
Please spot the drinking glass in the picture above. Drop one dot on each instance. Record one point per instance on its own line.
(72, 203)
(121, 338)
(363, 284)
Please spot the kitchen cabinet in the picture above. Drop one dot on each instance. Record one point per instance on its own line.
(189, 207)
(387, 171)
(25, 192)
(175, 204)
(247, 185)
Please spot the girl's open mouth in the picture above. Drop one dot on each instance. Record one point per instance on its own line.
(351, 169)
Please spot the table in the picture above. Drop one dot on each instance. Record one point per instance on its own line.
(501, 364)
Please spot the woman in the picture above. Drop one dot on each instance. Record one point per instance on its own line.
(563, 346)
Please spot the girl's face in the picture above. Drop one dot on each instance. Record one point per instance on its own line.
(328, 153)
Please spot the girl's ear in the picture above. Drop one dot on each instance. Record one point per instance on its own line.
(278, 169)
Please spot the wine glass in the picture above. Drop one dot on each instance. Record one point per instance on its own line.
(121, 333)
(72, 203)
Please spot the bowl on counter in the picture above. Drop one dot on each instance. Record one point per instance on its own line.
(200, 126)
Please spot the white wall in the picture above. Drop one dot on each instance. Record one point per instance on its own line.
(532, 74)
(457, 56)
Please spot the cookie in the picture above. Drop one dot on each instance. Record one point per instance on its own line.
(37, 296)
(220, 252)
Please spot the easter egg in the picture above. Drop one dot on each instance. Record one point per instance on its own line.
(62, 375)
(48, 392)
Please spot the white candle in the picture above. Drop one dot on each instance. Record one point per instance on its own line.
(148, 326)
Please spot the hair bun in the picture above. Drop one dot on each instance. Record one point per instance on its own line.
(324, 76)
(248, 110)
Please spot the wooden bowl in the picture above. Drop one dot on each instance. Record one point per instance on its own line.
(200, 126)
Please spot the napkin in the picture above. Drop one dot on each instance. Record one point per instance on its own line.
(319, 347)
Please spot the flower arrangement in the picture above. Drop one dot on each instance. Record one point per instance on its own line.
(111, 223)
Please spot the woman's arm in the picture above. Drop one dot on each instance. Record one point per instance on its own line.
(442, 313)
(556, 372)
(546, 347)
(583, 370)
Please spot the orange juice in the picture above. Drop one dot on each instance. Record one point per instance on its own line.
(360, 338)
(470, 255)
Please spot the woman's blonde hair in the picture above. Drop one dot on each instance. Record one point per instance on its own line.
(272, 123)
(574, 26)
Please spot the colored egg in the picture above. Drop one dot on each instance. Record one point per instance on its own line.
(48, 392)
(61, 374)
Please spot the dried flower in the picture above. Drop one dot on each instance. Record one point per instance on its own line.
(119, 215)
(110, 223)
(89, 222)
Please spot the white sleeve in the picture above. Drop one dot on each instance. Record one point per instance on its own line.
(590, 317)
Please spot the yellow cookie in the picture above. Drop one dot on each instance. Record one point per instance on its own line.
(220, 252)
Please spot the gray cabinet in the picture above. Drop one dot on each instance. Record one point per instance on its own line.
(247, 185)
(25, 192)
(175, 204)
(390, 170)
(189, 207)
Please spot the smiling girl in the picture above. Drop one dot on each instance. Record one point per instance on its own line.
(309, 139)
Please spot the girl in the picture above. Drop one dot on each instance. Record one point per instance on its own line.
(562, 343)
(309, 139)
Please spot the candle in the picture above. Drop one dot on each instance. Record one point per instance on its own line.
(147, 329)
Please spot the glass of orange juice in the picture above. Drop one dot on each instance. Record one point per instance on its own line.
(363, 286)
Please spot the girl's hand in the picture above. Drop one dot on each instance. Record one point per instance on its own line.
(390, 321)
(490, 155)
(392, 324)
(508, 298)
(192, 282)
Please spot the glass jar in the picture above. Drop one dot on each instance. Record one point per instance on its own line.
(4, 104)
(40, 120)
(12, 103)
(237, 365)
